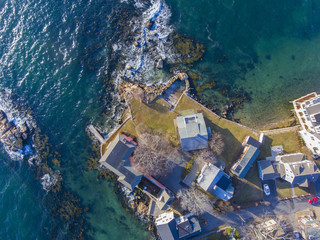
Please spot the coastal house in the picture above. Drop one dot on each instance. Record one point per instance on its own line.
(290, 167)
(117, 159)
(171, 228)
(307, 109)
(215, 181)
(248, 156)
(309, 224)
(161, 197)
(193, 132)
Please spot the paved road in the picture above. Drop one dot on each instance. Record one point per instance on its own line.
(286, 207)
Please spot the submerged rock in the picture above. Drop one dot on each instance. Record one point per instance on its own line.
(49, 180)
(159, 64)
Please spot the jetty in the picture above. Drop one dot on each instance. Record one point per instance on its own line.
(96, 134)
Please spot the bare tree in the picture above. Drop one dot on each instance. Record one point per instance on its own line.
(155, 155)
(206, 155)
(194, 201)
(216, 143)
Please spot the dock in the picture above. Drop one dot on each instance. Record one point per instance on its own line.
(96, 134)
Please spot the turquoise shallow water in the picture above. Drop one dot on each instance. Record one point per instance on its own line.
(268, 49)
(54, 56)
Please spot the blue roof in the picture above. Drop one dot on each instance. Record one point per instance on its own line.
(215, 181)
(241, 167)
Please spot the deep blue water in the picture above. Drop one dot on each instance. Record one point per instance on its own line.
(54, 54)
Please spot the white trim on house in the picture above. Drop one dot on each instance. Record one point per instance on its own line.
(307, 109)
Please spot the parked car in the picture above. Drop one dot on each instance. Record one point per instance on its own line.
(266, 189)
(314, 200)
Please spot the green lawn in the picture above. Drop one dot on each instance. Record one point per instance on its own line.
(249, 188)
(299, 191)
(288, 140)
(284, 189)
(233, 133)
(156, 116)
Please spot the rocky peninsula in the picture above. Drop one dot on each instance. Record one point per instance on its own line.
(12, 136)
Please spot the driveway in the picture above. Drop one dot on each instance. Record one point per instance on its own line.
(315, 188)
(273, 197)
(240, 217)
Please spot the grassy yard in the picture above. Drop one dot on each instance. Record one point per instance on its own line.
(156, 116)
(128, 128)
(233, 133)
(249, 188)
(299, 191)
(284, 189)
(288, 140)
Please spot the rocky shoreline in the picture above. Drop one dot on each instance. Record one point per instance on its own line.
(11, 136)
(148, 94)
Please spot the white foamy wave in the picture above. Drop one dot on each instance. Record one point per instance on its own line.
(19, 116)
(150, 44)
(15, 113)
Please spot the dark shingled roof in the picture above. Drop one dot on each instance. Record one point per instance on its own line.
(168, 231)
(188, 228)
(253, 142)
(116, 159)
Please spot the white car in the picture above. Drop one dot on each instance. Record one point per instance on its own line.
(266, 189)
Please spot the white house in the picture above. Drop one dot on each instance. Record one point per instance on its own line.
(307, 109)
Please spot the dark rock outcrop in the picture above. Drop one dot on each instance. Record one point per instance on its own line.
(12, 136)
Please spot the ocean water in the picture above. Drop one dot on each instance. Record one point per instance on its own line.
(269, 50)
(57, 55)
(52, 55)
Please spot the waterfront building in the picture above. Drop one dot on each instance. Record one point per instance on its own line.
(171, 228)
(215, 181)
(249, 155)
(160, 196)
(117, 159)
(307, 109)
(292, 168)
(193, 132)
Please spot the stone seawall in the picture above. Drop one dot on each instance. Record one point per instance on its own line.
(146, 93)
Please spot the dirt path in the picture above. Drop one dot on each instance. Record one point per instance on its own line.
(280, 130)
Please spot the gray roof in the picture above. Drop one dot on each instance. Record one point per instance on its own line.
(267, 171)
(253, 142)
(288, 158)
(215, 181)
(188, 228)
(116, 159)
(193, 132)
(168, 231)
(295, 170)
(242, 166)
(180, 228)
(313, 109)
(317, 117)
